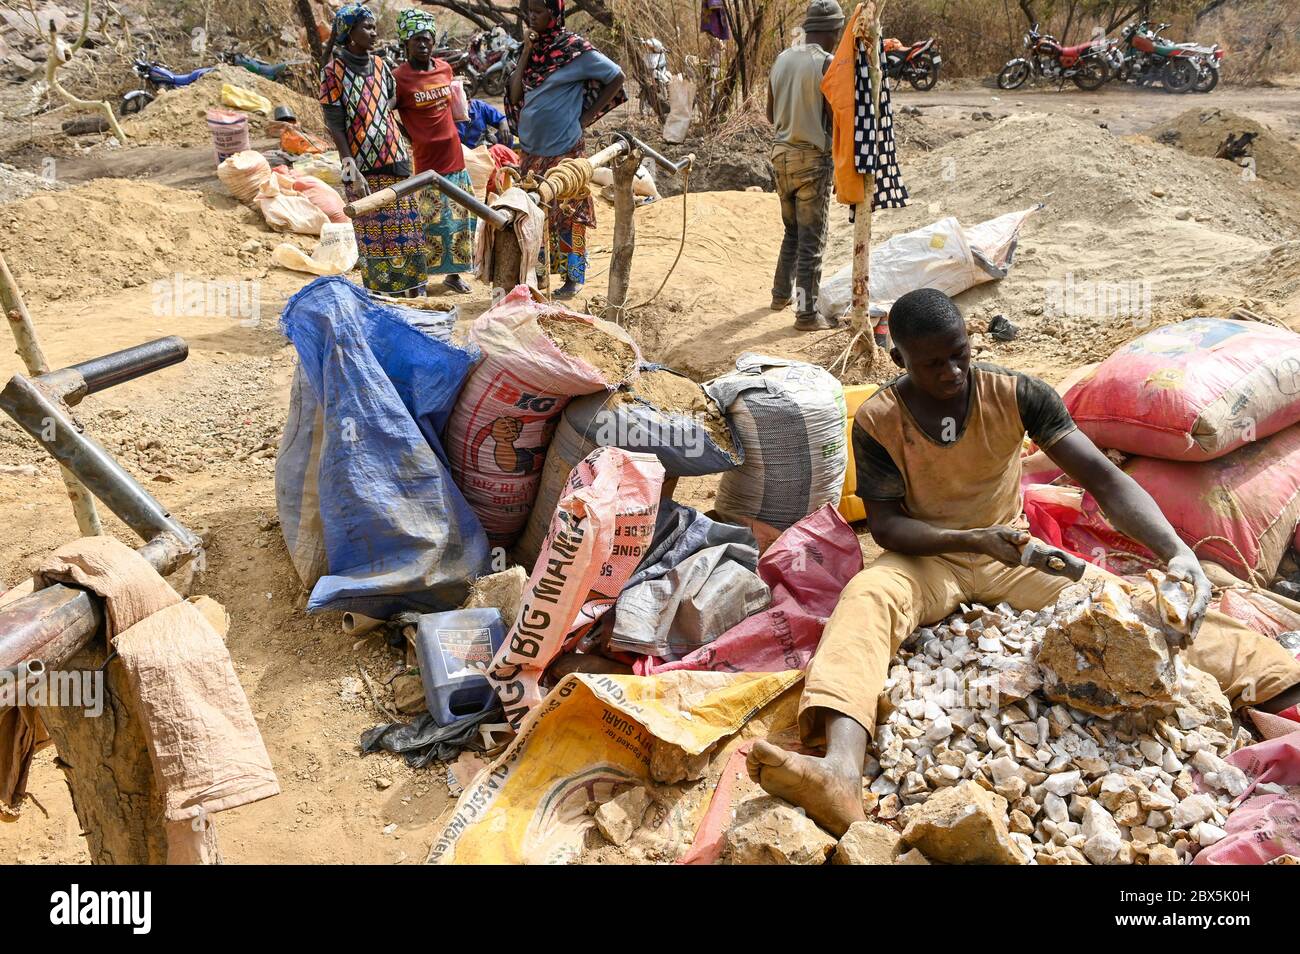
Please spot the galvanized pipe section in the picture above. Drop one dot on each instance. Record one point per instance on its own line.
(426, 180)
(45, 419)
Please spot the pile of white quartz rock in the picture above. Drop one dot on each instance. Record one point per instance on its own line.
(966, 702)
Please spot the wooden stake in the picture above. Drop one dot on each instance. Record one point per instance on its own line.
(860, 316)
(620, 266)
(52, 64)
(29, 349)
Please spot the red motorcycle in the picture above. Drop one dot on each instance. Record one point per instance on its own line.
(918, 64)
(1086, 64)
(492, 58)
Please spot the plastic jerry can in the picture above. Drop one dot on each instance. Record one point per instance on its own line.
(851, 507)
(454, 649)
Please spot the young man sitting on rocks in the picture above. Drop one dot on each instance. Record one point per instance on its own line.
(938, 462)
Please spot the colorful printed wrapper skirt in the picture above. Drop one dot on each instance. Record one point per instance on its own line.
(391, 241)
(566, 222)
(448, 228)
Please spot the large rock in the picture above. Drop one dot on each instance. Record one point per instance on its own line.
(867, 843)
(620, 817)
(770, 832)
(1102, 655)
(964, 824)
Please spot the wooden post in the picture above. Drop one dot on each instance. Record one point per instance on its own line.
(620, 266)
(29, 349)
(105, 761)
(868, 30)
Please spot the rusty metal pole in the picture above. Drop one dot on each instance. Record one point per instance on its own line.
(29, 349)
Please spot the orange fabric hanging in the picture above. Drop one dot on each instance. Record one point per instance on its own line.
(837, 87)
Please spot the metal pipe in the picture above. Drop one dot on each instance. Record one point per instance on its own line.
(74, 382)
(426, 180)
(45, 419)
(51, 626)
(662, 161)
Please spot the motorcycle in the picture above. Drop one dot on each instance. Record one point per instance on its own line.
(1151, 58)
(918, 64)
(492, 58)
(154, 78)
(1086, 64)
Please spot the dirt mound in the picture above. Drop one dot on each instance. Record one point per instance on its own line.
(16, 184)
(614, 359)
(115, 233)
(179, 117)
(1203, 131)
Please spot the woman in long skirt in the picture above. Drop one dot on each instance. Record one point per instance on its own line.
(358, 97)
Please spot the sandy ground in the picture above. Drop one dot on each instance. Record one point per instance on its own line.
(202, 435)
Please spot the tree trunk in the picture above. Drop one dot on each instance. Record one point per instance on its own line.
(308, 19)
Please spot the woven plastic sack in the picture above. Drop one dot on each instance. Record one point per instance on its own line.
(1192, 391)
(243, 174)
(335, 254)
(363, 492)
(287, 210)
(502, 425)
(790, 421)
(600, 530)
(239, 97)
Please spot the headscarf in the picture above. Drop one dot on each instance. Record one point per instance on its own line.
(413, 21)
(557, 47)
(348, 16)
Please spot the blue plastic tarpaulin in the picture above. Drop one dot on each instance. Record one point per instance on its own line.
(376, 386)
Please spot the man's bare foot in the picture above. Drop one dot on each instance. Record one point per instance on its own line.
(830, 798)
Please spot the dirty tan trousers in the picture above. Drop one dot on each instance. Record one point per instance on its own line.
(896, 594)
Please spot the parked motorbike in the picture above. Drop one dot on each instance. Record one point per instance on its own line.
(154, 78)
(918, 64)
(492, 58)
(1150, 58)
(1086, 63)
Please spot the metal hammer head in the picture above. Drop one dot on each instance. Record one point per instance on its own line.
(1051, 560)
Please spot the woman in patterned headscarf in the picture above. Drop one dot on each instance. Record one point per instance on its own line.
(424, 104)
(561, 86)
(358, 95)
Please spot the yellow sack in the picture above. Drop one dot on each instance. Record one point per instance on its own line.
(590, 737)
(324, 166)
(240, 98)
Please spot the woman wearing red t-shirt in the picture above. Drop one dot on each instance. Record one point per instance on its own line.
(424, 105)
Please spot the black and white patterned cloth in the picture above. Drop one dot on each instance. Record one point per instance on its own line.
(873, 142)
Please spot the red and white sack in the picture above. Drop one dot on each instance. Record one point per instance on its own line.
(1239, 511)
(602, 526)
(503, 422)
(1192, 391)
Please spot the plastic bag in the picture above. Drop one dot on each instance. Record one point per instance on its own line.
(479, 165)
(599, 532)
(287, 210)
(325, 167)
(240, 98)
(361, 475)
(696, 602)
(806, 568)
(1192, 391)
(501, 427)
(243, 174)
(943, 255)
(335, 254)
(681, 102)
(789, 419)
(459, 102)
(297, 142)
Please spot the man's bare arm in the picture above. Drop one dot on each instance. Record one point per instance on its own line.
(1131, 510)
